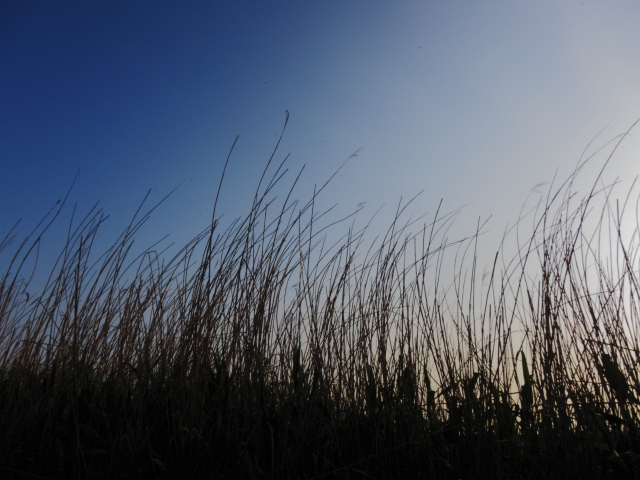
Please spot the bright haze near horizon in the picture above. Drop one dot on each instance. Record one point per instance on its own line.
(474, 103)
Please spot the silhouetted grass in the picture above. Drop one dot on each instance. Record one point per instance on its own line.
(261, 352)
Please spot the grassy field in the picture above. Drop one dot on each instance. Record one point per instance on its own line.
(263, 351)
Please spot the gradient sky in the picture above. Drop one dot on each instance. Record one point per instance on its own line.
(473, 102)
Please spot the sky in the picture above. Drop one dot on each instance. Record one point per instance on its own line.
(474, 103)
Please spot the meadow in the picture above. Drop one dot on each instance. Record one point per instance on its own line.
(265, 350)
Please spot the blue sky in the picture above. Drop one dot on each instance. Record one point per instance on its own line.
(472, 102)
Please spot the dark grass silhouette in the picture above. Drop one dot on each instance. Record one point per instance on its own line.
(261, 352)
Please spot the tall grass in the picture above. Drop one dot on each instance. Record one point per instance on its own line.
(262, 351)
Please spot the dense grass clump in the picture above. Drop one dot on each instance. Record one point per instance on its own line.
(261, 352)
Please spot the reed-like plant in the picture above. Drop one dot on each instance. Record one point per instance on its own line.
(265, 351)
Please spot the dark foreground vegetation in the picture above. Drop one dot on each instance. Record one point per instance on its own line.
(261, 351)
